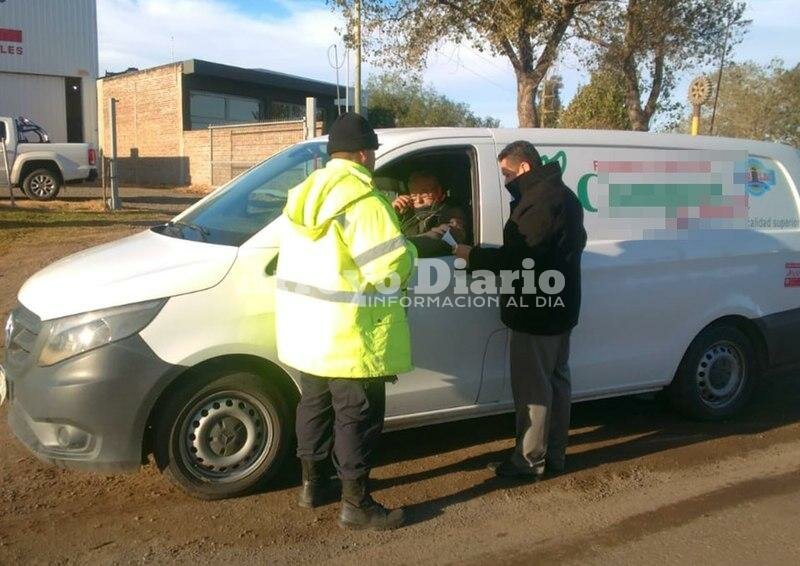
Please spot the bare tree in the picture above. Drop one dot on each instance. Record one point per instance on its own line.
(528, 33)
(649, 42)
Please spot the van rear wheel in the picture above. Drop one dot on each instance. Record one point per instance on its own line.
(717, 375)
(223, 435)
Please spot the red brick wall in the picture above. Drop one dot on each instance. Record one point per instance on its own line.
(153, 148)
(236, 148)
(197, 151)
(149, 125)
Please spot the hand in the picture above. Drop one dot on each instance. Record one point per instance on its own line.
(438, 231)
(402, 203)
(462, 251)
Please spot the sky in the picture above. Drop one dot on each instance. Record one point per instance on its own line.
(294, 36)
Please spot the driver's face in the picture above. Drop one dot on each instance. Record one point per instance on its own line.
(425, 191)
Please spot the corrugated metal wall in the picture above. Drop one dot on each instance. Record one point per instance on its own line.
(37, 97)
(59, 38)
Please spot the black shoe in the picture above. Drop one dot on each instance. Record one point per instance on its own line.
(552, 469)
(318, 488)
(507, 469)
(360, 511)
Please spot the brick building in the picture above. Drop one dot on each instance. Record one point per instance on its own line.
(200, 123)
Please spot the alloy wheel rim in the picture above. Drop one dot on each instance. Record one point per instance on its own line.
(42, 185)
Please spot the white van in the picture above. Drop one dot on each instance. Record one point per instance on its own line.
(163, 342)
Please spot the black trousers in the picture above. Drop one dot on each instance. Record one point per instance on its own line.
(345, 414)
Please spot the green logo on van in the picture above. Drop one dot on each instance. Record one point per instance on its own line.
(560, 158)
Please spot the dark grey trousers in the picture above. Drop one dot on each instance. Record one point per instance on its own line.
(345, 414)
(540, 383)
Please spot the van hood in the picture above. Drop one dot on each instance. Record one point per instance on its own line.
(138, 268)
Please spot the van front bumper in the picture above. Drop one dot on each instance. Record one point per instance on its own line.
(90, 411)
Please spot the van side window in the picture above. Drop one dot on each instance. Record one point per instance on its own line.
(443, 171)
(772, 204)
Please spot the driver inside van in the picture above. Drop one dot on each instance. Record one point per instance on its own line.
(426, 214)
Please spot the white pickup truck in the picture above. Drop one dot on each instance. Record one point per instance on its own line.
(39, 167)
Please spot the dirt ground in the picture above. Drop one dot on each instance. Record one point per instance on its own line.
(643, 484)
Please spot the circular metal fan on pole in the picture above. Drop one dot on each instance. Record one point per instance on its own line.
(699, 94)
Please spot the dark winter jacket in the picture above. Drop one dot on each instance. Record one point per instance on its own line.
(417, 222)
(546, 225)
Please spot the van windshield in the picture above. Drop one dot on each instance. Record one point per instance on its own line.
(233, 214)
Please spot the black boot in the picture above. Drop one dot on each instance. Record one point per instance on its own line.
(318, 489)
(360, 511)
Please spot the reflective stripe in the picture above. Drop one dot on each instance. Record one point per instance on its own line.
(317, 292)
(377, 251)
(334, 296)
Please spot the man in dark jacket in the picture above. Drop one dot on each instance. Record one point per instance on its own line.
(544, 234)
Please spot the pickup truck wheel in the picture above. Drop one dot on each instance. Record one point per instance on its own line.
(222, 436)
(41, 184)
(717, 375)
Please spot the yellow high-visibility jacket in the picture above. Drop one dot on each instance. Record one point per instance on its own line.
(341, 244)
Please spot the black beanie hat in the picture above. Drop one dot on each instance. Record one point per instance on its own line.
(351, 132)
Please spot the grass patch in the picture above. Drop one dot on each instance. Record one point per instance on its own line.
(28, 217)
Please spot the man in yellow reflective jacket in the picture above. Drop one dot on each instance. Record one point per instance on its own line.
(342, 268)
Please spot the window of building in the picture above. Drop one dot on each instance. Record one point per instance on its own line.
(209, 109)
(286, 111)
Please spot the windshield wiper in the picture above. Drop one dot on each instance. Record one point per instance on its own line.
(196, 227)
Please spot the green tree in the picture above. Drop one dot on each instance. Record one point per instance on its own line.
(599, 105)
(651, 42)
(399, 101)
(527, 32)
(760, 102)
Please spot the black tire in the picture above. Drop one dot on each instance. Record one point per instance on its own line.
(717, 375)
(42, 184)
(230, 409)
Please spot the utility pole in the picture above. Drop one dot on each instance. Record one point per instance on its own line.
(357, 92)
(719, 77)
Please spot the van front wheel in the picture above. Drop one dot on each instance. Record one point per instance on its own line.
(717, 374)
(222, 436)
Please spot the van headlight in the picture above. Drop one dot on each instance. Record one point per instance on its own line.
(73, 335)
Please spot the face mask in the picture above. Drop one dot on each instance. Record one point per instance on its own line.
(513, 188)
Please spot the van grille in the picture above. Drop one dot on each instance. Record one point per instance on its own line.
(27, 327)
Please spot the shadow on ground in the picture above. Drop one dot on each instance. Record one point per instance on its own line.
(649, 425)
